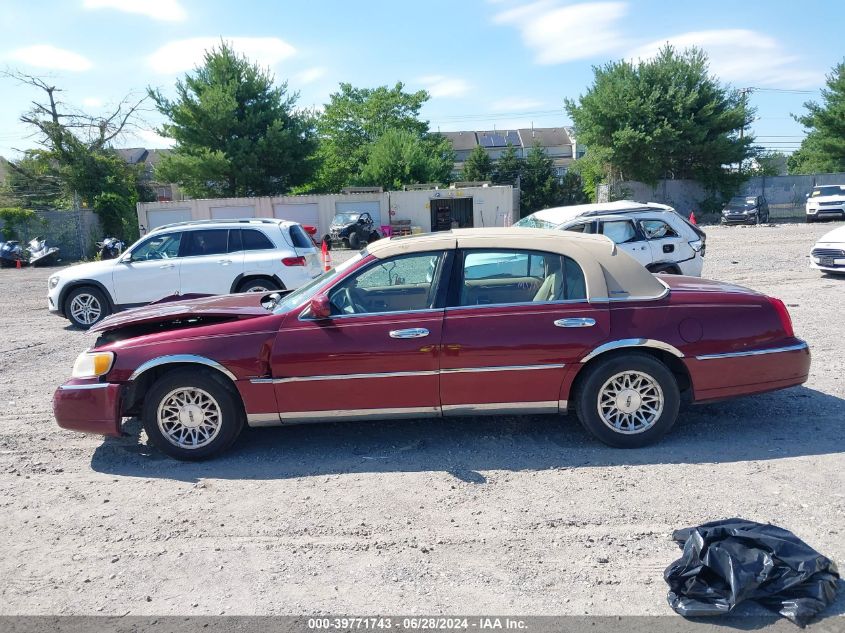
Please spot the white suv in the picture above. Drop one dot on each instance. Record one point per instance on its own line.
(202, 257)
(826, 201)
(662, 240)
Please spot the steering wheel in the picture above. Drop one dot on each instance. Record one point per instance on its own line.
(347, 305)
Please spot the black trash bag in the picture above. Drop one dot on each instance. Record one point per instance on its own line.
(727, 562)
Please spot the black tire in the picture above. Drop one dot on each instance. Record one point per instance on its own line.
(327, 241)
(374, 236)
(810, 219)
(258, 285)
(603, 372)
(76, 312)
(229, 409)
(354, 241)
(668, 269)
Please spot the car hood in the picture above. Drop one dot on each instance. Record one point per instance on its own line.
(88, 269)
(836, 236)
(238, 306)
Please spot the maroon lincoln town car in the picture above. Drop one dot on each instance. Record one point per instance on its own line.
(466, 322)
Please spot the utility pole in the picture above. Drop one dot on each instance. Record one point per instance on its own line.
(744, 92)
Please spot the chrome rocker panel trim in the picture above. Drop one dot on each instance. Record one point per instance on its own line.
(633, 342)
(757, 352)
(491, 408)
(182, 358)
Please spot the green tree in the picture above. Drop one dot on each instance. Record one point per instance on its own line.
(540, 187)
(770, 163)
(508, 167)
(478, 165)
(76, 164)
(400, 157)
(666, 117)
(236, 132)
(823, 149)
(354, 119)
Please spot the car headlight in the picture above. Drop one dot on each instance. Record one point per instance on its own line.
(92, 364)
(53, 282)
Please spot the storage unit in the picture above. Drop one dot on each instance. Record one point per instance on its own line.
(232, 213)
(306, 213)
(159, 217)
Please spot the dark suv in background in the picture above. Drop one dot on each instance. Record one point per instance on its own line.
(746, 210)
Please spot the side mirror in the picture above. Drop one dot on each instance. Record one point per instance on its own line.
(320, 307)
(126, 259)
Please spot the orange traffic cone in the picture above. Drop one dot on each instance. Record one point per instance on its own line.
(692, 217)
(327, 256)
(18, 264)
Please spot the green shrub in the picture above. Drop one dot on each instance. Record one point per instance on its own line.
(15, 222)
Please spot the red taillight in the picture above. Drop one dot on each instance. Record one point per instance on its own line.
(294, 261)
(783, 314)
(311, 230)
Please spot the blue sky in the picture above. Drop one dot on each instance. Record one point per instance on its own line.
(502, 63)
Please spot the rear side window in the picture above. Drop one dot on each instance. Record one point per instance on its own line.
(657, 229)
(620, 231)
(299, 237)
(206, 242)
(255, 240)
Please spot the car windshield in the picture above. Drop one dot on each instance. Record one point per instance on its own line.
(306, 292)
(345, 218)
(832, 190)
(742, 202)
(533, 222)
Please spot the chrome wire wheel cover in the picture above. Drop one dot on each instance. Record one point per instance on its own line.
(189, 418)
(257, 288)
(85, 308)
(630, 402)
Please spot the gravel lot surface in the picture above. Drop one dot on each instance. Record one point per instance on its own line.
(516, 515)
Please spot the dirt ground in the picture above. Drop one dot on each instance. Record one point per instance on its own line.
(517, 515)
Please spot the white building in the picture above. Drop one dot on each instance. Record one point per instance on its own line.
(430, 209)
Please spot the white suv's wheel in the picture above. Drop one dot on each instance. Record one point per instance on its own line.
(257, 285)
(86, 306)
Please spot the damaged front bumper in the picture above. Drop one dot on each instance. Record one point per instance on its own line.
(89, 407)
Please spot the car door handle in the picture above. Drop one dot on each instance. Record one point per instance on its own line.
(414, 332)
(225, 262)
(576, 322)
(168, 266)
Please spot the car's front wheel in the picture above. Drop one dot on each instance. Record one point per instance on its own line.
(86, 306)
(628, 400)
(354, 241)
(192, 415)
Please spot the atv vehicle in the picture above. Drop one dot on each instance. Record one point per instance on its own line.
(351, 230)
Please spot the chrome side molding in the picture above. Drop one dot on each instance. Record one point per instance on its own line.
(495, 408)
(97, 385)
(756, 352)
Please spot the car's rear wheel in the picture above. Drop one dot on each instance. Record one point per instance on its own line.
(258, 285)
(374, 236)
(192, 415)
(628, 400)
(810, 219)
(86, 306)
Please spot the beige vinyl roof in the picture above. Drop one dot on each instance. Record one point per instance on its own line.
(611, 274)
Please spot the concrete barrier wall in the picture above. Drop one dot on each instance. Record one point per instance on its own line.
(75, 232)
(786, 194)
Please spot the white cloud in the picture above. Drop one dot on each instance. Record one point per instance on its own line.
(165, 10)
(92, 102)
(310, 75)
(560, 34)
(515, 104)
(181, 55)
(52, 57)
(741, 56)
(154, 140)
(441, 86)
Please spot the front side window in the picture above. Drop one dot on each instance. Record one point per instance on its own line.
(164, 246)
(397, 284)
(206, 242)
(657, 229)
(620, 231)
(512, 276)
